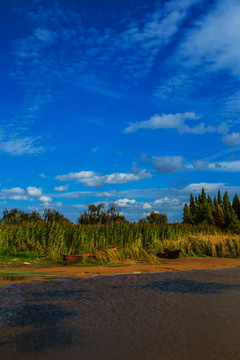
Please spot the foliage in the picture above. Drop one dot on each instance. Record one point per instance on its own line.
(219, 211)
(209, 228)
(15, 217)
(155, 218)
(97, 215)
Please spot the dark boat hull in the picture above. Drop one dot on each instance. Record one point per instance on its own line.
(170, 254)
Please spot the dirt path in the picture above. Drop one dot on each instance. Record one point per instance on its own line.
(181, 264)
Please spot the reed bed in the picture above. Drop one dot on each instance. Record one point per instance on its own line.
(137, 241)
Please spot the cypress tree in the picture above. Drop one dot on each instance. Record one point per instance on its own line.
(199, 213)
(207, 214)
(209, 199)
(215, 201)
(235, 223)
(202, 197)
(187, 215)
(236, 205)
(192, 207)
(218, 216)
(219, 198)
(226, 206)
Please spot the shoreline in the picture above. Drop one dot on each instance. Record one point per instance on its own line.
(180, 264)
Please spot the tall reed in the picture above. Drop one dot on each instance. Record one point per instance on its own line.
(55, 239)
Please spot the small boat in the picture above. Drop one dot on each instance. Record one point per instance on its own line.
(76, 257)
(170, 254)
(71, 257)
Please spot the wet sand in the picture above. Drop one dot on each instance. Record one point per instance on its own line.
(171, 315)
(181, 264)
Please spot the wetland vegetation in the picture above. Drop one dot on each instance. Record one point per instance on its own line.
(210, 227)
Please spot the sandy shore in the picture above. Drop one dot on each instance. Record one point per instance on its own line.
(182, 264)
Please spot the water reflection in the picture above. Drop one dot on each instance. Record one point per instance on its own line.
(188, 286)
(22, 275)
(58, 294)
(36, 315)
(47, 338)
(124, 317)
(11, 277)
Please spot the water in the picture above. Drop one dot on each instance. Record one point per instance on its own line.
(174, 315)
(7, 277)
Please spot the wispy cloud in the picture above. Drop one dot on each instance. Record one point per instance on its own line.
(171, 121)
(214, 41)
(171, 164)
(93, 179)
(211, 188)
(21, 146)
(42, 175)
(61, 188)
(232, 139)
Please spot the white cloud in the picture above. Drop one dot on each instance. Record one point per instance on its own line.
(91, 178)
(33, 191)
(13, 191)
(125, 202)
(232, 139)
(23, 146)
(147, 206)
(225, 166)
(198, 165)
(197, 187)
(45, 199)
(167, 164)
(233, 102)
(61, 188)
(171, 121)
(215, 39)
(42, 175)
(166, 202)
(19, 197)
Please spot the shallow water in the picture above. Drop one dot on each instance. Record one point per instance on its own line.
(9, 276)
(174, 315)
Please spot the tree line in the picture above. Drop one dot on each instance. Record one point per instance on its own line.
(95, 214)
(201, 209)
(219, 211)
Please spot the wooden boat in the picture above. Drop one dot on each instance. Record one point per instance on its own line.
(170, 254)
(76, 257)
(71, 257)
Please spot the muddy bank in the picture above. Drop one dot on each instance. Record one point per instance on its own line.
(181, 264)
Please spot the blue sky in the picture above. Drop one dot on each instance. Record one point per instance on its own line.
(131, 101)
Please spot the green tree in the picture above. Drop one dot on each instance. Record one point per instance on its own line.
(235, 223)
(202, 197)
(207, 216)
(157, 218)
(219, 198)
(226, 206)
(54, 216)
(209, 199)
(187, 215)
(96, 214)
(192, 207)
(218, 215)
(236, 205)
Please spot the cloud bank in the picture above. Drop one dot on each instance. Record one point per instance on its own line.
(93, 179)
